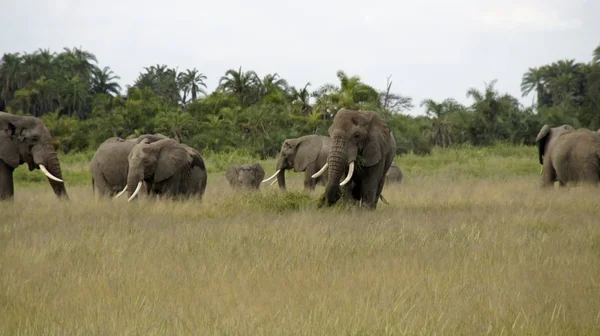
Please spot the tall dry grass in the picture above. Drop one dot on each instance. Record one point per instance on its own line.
(451, 256)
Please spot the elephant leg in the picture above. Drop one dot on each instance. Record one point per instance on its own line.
(591, 174)
(350, 193)
(548, 173)
(102, 188)
(371, 185)
(7, 186)
(309, 182)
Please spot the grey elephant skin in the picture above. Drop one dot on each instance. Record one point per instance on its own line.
(25, 139)
(306, 154)
(364, 148)
(168, 168)
(110, 163)
(394, 174)
(569, 156)
(245, 176)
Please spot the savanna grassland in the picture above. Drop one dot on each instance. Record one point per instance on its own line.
(469, 245)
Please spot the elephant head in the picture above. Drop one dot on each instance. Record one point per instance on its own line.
(156, 162)
(25, 139)
(248, 176)
(359, 139)
(546, 137)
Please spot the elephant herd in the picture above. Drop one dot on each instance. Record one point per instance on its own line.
(360, 149)
(353, 163)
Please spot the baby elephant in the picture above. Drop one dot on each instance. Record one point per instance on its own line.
(246, 176)
(394, 174)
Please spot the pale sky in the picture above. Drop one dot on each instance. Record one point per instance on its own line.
(432, 48)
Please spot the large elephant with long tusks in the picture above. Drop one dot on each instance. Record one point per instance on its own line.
(168, 168)
(364, 148)
(306, 154)
(109, 164)
(25, 139)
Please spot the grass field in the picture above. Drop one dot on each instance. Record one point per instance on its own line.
(469, 245)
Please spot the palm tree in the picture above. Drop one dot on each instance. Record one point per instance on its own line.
(30, 69)
(301, 97)
(351, 93)
(245, 85)
(103, 82)
(596, 55)
(442, 127)
(10, 69)
(46, 90)
(74, 95)
(533, 79)
(77, 62)
(271, 83)
(192, 82)
(162, 80)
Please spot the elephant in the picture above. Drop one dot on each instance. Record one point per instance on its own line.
(25, 139)
(569, 156)
(109, 164)
(306, 154)
(362, 145)
(169, 168)
(246, 176)
(394, 174)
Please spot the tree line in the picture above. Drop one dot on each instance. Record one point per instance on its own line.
(83, 104)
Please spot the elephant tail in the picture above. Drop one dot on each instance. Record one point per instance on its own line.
(93, 185)
(383, 199)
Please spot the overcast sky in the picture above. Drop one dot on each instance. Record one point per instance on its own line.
(432, 48)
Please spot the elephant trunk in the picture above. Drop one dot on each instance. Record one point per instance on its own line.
(52, 165)
(337, 165)
(134, 182)
(281, 179)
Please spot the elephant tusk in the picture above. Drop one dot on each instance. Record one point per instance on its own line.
(47, 173)
(137, 189)
(122, 192)
(273, 182)
(272, 177)
(541, 169)
(320, 172)
(347, 179)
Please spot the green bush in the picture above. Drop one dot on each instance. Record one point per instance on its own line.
(220, 161)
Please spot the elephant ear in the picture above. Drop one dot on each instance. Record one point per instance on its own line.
(231, 173)
(542, 139)
(378, 140)
(9, 153)
(259, 172)
(197, 160)
(307, 151)
(172, 158)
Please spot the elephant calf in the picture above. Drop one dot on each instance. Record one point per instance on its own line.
(394, 174)
(245, 176)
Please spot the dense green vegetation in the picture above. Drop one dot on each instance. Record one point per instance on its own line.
(82, 105)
